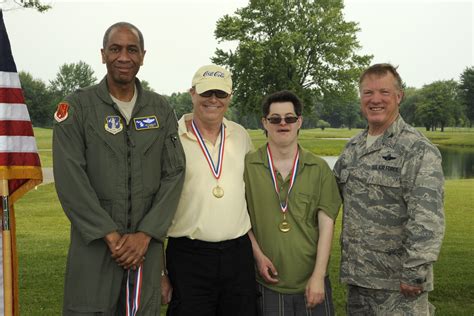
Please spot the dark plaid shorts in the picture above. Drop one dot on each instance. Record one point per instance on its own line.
(271, 303)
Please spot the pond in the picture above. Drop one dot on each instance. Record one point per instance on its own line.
(458, 162)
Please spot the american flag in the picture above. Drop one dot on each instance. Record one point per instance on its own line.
(20, 167)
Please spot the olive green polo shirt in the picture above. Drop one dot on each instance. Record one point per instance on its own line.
(293, 253)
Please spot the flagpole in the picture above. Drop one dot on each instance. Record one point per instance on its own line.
(7, 251)
(19, 161)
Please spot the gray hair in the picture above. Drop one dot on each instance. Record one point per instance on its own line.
(130, 26)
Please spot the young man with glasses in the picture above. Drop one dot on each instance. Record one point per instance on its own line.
(293, 201)
(209, 254)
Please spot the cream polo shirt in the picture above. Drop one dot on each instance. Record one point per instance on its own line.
(200, 215)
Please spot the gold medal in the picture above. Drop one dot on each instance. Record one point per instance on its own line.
(218, 192)
(216, 170)
(284, 226)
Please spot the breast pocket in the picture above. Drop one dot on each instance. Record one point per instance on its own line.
(304, 209)
(151, 159)
(384, 186)
(103, 164)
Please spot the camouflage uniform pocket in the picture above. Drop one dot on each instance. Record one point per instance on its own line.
(383, 187)
(383, 179)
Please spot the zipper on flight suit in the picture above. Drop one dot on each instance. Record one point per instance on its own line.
(174, 139)
(130, 145)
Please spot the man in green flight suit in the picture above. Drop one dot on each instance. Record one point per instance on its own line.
(119, 170)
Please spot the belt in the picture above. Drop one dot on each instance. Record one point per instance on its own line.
(208, 244)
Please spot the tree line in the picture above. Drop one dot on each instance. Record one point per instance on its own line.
(435, 105)
(441, 103)
(301, 45)
(42, 98)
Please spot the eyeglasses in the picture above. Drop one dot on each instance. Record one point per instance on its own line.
(277, 119)
(218, 93)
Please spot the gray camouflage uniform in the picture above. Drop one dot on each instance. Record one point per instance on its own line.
(393, 219)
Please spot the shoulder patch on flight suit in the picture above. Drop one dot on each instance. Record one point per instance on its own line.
(62, 112)
(147, 122)
(113, 124)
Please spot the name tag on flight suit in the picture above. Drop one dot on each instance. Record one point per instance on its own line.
(148, 122)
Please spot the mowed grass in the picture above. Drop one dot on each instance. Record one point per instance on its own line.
(43, 232)
(329, 142)
(454, 273)
(42, 241)
(451, 137)
(44, 143)
(43, 237)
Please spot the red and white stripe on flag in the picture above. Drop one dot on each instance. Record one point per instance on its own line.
(20, 168)
(19, 159)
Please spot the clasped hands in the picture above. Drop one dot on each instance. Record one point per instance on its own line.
(128, 250)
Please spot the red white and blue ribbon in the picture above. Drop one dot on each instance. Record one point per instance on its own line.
(134, 290)
(215, 168)
(294, 169)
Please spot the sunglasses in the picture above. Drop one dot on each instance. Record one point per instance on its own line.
(277, 119)
(218, 93)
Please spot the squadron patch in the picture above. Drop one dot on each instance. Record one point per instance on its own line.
(113, 124)
(148, 122)
(61, 112)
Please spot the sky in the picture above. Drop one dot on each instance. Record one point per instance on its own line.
(428, 39)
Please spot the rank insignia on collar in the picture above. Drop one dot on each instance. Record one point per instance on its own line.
(147, 122)
(61, 113)
(113, 124)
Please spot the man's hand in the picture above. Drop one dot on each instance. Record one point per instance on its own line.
(166, 290)
(314, 292)
(130, 250)
(266, 269)
(409, 290)
(111, 239)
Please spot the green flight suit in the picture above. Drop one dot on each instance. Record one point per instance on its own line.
(111, 176)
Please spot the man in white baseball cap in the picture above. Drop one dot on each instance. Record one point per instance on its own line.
(209, 254)
(212, 77)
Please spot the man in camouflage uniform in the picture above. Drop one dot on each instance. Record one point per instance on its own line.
(391, 181)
